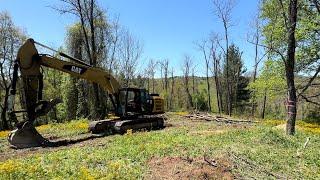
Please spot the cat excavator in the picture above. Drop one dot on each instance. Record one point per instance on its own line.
(134, 107)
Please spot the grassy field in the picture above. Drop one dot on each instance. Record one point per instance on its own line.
(184, 149)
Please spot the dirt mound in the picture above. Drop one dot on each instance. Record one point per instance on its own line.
(188, 168)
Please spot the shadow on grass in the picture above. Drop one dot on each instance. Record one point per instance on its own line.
(92, 137)
(73, 141)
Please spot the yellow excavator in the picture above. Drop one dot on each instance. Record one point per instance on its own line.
(134, 107)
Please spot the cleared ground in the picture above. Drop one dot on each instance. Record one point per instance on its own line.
(185, 149)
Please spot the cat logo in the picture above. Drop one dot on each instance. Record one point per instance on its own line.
(75, 69)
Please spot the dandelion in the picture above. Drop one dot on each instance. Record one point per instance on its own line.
(4, 134)
(8, 166)
(85, 174)
(129, 132)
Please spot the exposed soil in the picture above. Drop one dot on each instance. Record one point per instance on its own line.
(188, 168)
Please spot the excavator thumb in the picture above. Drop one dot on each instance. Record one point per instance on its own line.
(26, 136)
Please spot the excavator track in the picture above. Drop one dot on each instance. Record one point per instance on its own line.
(120, 126)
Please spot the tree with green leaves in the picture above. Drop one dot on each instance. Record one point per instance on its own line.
(223, 10)
(11, 38)
(75, 48)
(93, 25)
(270, 84)
(289, 24)
(236, 81)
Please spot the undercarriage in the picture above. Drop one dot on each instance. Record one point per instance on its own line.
(26, 136)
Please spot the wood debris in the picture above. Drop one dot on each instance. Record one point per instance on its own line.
(209, 117)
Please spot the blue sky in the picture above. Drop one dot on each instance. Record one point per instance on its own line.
(167, 28)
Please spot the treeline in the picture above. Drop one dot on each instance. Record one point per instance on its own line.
(227, 88)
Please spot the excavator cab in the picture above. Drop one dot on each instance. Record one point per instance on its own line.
(135, 101)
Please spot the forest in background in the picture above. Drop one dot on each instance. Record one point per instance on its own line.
(228, 88)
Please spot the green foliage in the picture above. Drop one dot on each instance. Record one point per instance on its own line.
(71, 98)
(313, 115)
(237, 82)
(307, 34)
(54, 87)
(271, 80)
(200, 100)
(11, 38)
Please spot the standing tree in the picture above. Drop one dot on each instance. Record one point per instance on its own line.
(172, 90)
(207, 55)
(216, 71)
(113, 43)
(130, 52)
(270, 84)
(75, 42)
(290, 64)
(223, 11)
(93, 23)
(291, 31)
(255, 39)
(11, 39)
(235, 71)
(151, 71)
(165, 67)
(187, 63)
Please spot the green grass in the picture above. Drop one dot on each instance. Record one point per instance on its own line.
(259, 151)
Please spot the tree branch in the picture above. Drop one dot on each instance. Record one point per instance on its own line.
(271, 49)
(310, 82)
(284, 15)
(308, 100)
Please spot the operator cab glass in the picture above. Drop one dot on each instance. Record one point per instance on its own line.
(133, 101)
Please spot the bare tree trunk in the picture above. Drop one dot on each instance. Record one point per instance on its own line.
(148, 82)
(264, 104)
(218, 93)
(5, 124)
(229, 102)
(190, 102)
(217, 82)
(290, 64)
(256, 63)
(207, 55)
(165, 65)
(236, 89)
(223, 9)
(153, 84)
(172, 90)
(208, 87)
(193, 85)
(186, 69)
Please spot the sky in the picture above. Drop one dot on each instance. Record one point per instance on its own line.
(166, 28)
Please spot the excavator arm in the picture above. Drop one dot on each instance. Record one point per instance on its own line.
(29, 61)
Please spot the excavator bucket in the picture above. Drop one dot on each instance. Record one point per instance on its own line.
(27, 136)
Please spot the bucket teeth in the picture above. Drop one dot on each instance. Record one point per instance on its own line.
(26, 136)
